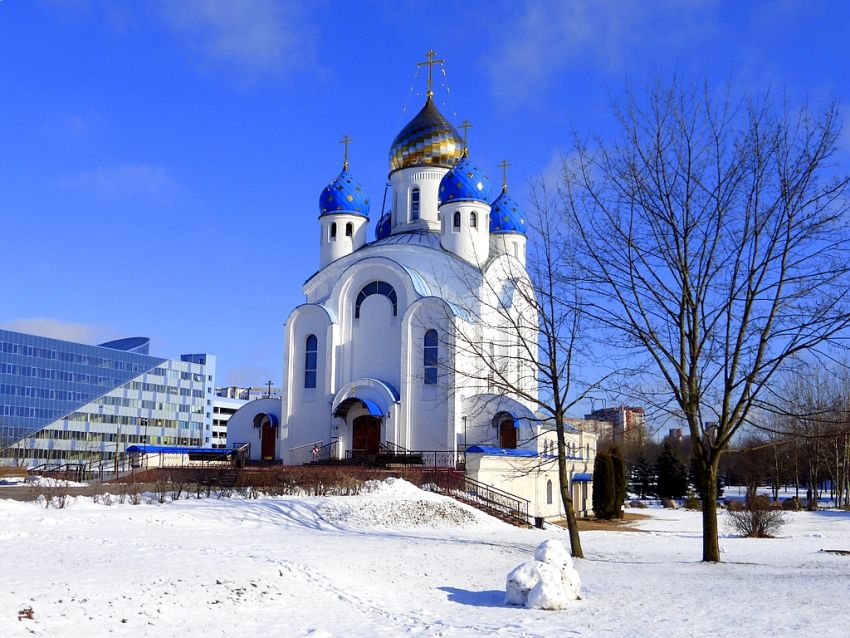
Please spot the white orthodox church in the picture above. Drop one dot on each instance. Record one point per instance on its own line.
(391, 350)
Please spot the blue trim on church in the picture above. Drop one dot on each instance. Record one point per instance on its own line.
(174, 449)
(500, 451)
(374, 408)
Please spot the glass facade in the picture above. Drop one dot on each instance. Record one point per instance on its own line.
(66, 402)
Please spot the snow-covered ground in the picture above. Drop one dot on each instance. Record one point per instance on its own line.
(36, 481)
(397, 562)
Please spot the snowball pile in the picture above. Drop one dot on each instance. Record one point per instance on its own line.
(548, 582)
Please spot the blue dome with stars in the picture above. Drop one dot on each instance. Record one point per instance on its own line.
(344, 195)
(384, 226)
(464, 183)
(506, 216)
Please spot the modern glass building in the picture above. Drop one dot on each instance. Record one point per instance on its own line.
(65, 402)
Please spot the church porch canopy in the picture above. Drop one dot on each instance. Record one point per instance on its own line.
(373, 408)
(377, 396)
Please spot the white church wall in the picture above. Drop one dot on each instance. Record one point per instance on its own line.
(510, 324)
(307, 417)
(336, 241)
(371, 343)
(536, 480)
(375, 345)
(533, 479)
(482, 427)
(429, 410)
(470, 243)
(427, 180)
(511, 244)
(240, 426)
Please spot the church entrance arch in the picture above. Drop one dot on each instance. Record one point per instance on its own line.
(267, 442)
(267, 424)
(506, 426)
(366, 435)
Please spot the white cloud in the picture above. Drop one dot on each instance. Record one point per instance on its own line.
(125, 180)
(552, 173)
(552, 35)
(56, 329)
(255, 35)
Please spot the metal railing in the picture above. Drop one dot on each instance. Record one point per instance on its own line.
(304, 453)
(128, 464)
(484, 496)
(389, 454)
(329, 451)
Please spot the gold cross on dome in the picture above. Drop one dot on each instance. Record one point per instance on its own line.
(465, 126)
(345, 141)
(504, 166)
(430, 62)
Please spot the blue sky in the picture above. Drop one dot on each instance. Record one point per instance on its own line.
(160, 162)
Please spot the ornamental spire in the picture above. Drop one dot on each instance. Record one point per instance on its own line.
(504, 166)
(430, 62)
(345, 141)
(465, 126)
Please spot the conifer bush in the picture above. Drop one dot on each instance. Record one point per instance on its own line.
(618, 466)
(604, 486)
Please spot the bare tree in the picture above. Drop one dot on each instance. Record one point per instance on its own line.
(812, 416)
(716, 250)
(537, 313)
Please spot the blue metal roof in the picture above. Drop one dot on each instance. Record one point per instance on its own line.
(374, 408)
(506, 216)
(582, 477)
(384, 226)
(344, 195)
(174, 449)
(500, 451)
(466, 182)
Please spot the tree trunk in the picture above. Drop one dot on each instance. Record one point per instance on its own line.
(710, 543)
(572, 525)
(566, 495)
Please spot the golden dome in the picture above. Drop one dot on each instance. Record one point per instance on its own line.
(427, 140)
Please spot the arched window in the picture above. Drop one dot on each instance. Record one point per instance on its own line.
(516, 250)
(333, 231)
(414, 204)
(376, 288)
(430, 357)
(456, 221)
(311, 360)
(549, 492)
(473, 220)
(349, 229)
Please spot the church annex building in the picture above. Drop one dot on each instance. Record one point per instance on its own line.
(386, 355)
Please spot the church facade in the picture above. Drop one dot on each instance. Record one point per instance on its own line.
(400, 336)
